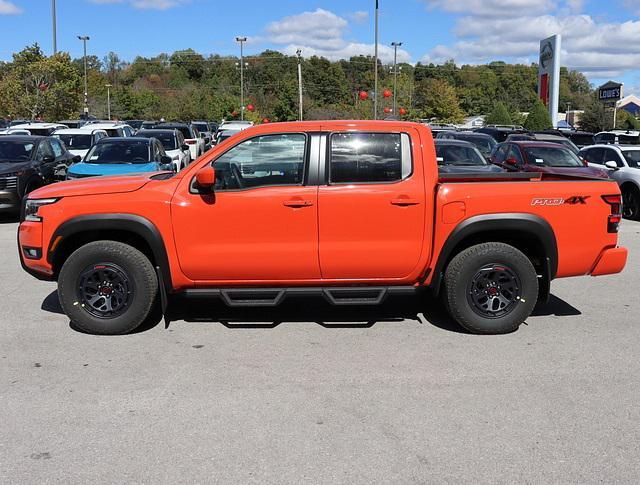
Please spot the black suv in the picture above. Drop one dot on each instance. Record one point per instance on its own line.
(29, 162)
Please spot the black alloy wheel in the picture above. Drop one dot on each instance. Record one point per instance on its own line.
(105, 290)
(494, 291)
(631, 204)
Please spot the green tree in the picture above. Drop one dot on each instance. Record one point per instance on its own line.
(539, 118)
(595, 117)
(437, 99)
(499, 115)
(626, 121)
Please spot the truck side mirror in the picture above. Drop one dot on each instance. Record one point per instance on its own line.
(206, 178)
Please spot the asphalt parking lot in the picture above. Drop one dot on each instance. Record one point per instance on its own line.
(310, 394)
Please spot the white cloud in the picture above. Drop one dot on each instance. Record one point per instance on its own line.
(322, 33)
(493, 8)
(360, 16)
(146, 4)
(599, 49)
(9, 8)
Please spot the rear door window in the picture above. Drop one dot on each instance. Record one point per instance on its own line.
(369, 158)
(594, 155)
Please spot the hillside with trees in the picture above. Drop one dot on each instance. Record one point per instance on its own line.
(189, 85)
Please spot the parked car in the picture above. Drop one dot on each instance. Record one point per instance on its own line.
(80, 140)
(481, 141)
(174, 145)
(456, 156)
(500, 133)
(538, 156)
(520, 137)
(580, 138)
(13, 131)
(229, 128)
(623, 164)
(73, 123)
(26, 163)
(205, 129)
(618, 137)
(114, 156)
(559, 139)
(191, 137)
(39, 129)
(148, 125)
(258, 220)
(135, 124)
(114, 129)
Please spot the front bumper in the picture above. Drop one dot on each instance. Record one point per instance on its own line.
(30, 237)
(611, 261)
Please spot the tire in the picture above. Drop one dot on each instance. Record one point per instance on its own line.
(105, 275)
(631, 203)
(490, 288)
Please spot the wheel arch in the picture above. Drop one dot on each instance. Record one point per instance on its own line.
(529, 233)
(131, 229)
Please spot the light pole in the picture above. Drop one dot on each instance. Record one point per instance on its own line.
(395, 73)
(108, 86)
(53, 20)
(241, 40)
(84, 39)
(299, 54)
(375, 61)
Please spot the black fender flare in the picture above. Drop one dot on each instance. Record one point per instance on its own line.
(135, 224)
(521, 223)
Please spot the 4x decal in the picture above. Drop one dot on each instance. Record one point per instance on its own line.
(575, 200)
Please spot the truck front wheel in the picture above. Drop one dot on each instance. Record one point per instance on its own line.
(107, 288)
(490, 288)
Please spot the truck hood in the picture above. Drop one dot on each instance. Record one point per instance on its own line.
(11, 167)
(93, 186)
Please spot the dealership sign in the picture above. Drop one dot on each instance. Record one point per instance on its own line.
(610, 91)
(549, 75)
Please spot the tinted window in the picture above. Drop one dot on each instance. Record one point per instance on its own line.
(594, 155)
(134, 152)
(458, 155)
(501, 153)
(367, 157)
(612, 156)
(632, 157)
(168, 139)
(552, 157)
(201, 126)
(114, 132)
(260, 161)
(605, 138)
(628, 140)
(484, 144)
(44, 150)
(76, 142)
(15, 151)
(57, 148)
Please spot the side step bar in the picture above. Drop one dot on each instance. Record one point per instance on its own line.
(269, 297)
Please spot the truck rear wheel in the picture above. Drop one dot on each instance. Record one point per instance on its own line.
(107, 288)
(490, 288)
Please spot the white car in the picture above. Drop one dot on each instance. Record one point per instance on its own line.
(113, 128)
(623, 163)
(11, 131)
(229, 128)
(79, 140)
(39, 129)
(191, 135)
(618, 136)
(173, 143)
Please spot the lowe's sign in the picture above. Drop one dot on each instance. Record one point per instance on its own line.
(610, 91)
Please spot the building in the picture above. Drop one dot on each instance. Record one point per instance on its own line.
(631, 104)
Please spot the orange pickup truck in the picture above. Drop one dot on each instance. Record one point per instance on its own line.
(350, 211)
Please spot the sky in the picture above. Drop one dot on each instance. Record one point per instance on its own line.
(600, 38)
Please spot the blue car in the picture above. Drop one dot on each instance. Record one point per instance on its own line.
(121, 156)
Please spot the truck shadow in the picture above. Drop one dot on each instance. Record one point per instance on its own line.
(398, 309)
(9, 218)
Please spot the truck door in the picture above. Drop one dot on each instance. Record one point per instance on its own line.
(373, 206)
(260, 224)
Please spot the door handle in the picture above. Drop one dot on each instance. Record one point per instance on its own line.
(404, 201)
(297, 203)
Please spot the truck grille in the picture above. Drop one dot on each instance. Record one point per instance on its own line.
(8, 183)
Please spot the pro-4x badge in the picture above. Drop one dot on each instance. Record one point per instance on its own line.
(576, 199)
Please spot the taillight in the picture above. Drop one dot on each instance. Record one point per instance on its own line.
(190, 142)
(615, 201)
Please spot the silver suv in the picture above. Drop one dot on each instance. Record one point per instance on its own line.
(623, 164)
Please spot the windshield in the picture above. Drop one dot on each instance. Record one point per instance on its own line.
(485, 145)
(41, 131)
(133, 152)
(632, 157)
(458, 155)
(201, 126)
(76, 142)
(15, 151)
(552, 157)
(168, 140)
(568, 144)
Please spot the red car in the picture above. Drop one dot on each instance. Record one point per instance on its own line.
(536, 156)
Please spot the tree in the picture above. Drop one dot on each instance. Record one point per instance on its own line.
(437, 99)
(499, 115)
(626, 121)
(595, 117)
(539, 118)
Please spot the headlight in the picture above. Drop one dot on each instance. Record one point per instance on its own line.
(32, 206)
